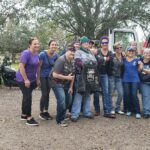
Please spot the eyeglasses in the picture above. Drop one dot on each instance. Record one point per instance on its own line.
(118, 48)
(104, 43)
(147, 53)
(131, 51)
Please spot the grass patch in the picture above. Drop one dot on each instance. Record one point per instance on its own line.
(15, 66)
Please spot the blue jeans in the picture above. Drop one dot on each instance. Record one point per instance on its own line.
(107, 101)
(63, 101)
(145, 89)
(130, 96)
(96, 102)
(75, 90)
(78, 101)
(116, 84)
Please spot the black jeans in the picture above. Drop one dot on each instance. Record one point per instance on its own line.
(27, 97)
(45, 90)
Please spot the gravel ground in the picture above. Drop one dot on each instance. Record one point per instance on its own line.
(99, 134)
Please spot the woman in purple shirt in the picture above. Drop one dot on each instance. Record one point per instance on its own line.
(27, 78)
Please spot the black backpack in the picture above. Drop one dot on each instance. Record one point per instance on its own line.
(89, 79)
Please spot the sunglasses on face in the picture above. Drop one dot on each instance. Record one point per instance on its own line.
(104, 43)
(118, 48)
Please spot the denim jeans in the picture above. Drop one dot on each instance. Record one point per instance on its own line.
(116, 84)
(45, 90)
(107, 101)
(145, 89)
(81, 100)
(96, 102)
(63, 101)
(75, 86)
(130, 96)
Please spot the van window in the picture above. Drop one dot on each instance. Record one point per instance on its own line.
(124, 37)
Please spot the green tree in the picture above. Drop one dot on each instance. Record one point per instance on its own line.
(94, 17)
(48, 30)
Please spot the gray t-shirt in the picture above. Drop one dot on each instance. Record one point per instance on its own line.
(64, 67)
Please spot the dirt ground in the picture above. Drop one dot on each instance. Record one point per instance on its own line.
(101, 133)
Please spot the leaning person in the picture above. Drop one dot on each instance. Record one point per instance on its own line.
(61, 81)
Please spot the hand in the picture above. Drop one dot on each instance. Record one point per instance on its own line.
(107, 58)
(139, 63)
(70, 77)
(70, 90)
(38, 82)
(123, 54)
(147, 71)
(27, 83)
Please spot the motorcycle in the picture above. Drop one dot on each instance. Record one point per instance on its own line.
(7, 74)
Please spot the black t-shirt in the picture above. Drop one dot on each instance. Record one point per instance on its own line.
(143, 76)
(117, 66)
(64, 67)
(105, 66)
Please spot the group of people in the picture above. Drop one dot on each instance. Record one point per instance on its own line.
(81, 71)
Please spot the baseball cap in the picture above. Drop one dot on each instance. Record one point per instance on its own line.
(84, 39)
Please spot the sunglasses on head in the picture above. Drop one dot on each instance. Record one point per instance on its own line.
(132, 51)
(104, 43)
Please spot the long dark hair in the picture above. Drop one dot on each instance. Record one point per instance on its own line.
(51, 42)
(31, 40)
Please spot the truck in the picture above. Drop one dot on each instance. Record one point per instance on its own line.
(125, 36)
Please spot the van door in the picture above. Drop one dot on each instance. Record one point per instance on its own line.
(147, 42)
(125, 36)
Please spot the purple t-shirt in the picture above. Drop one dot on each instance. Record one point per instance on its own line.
(31, 64)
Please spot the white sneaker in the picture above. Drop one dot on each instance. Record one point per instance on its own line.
(67, 119)
(63, 124)
(120, 112)
(112, 112)
(138, 116)
(128, 113)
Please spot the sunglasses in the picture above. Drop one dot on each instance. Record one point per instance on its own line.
(104, 43)
(118, 48)
(131, 51)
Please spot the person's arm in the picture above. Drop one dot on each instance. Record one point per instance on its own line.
(58, 71)
(71, 86)
(24, 75)
(140, 66)
(38, 72)
(147, 71)
(63, 77)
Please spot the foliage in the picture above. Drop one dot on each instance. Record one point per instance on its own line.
(94, 18)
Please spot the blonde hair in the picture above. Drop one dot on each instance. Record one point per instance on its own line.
(132, 42)
(116, 44)
(146, 50)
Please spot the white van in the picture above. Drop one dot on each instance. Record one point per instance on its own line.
(125, 36)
